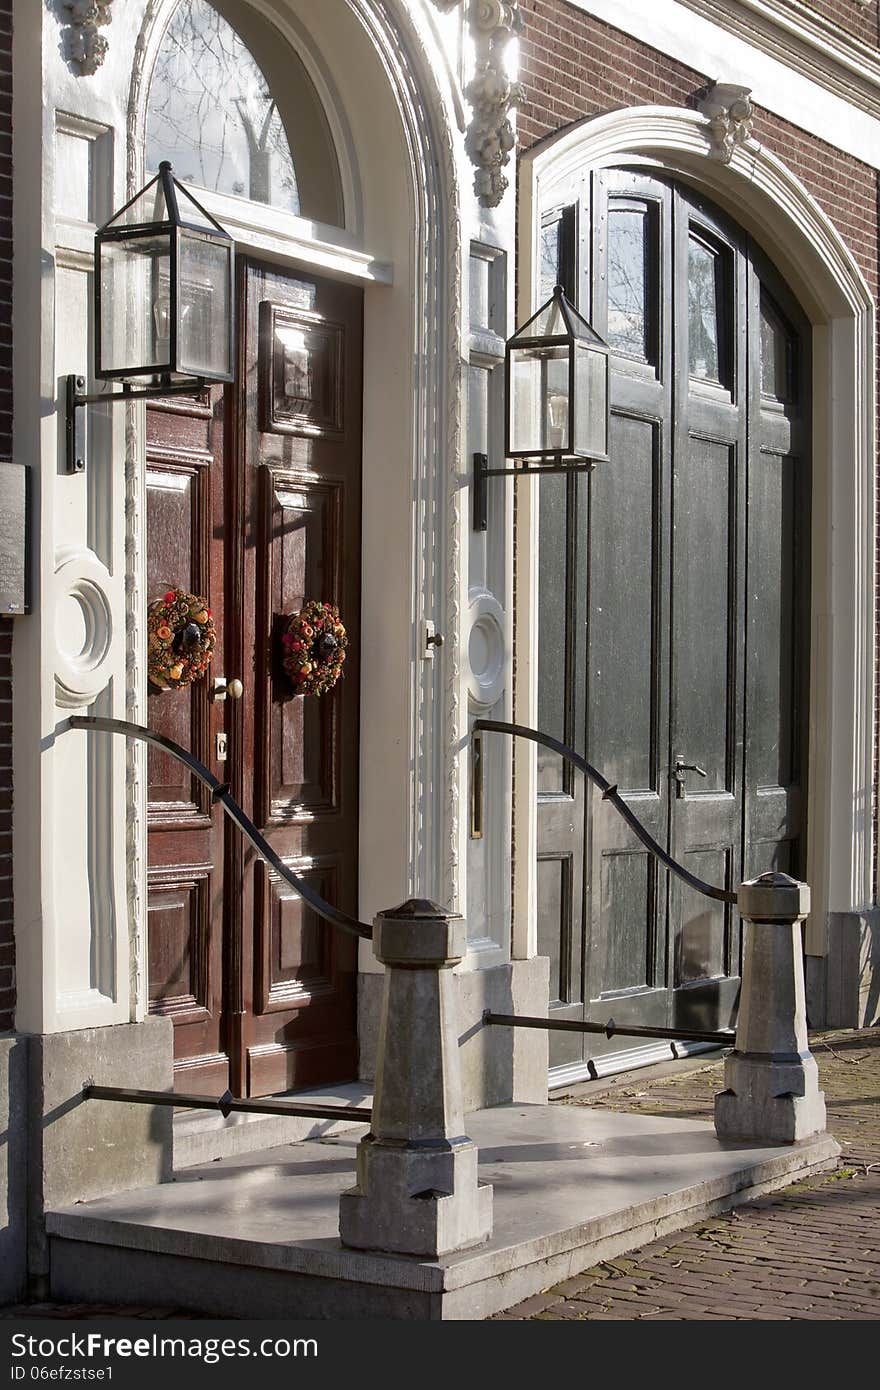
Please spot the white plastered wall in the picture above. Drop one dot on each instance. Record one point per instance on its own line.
(769, 201)
(388, 73)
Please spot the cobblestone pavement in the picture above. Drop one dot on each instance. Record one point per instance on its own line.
(810, 1252)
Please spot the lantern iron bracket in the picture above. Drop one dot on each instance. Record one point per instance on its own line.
(482, 471)
(77, 397)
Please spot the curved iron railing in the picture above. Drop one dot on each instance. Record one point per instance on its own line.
(609, 793)
(219, 792)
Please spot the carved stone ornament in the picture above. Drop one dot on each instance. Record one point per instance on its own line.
(84, 47)
(729, 113)
(490, 138)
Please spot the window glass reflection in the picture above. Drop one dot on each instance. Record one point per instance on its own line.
(212, 115)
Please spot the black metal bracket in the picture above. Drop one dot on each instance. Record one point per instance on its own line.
(76, 397)
(482, 471)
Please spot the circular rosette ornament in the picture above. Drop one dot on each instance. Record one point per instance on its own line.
(313, 648)
(180, 639)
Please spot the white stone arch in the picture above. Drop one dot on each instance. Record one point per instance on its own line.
(399, 147)
(766, 198)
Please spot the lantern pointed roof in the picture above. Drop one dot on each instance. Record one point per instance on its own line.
(164, 201)
(557, 320)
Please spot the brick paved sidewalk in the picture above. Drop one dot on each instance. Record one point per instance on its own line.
(811, 1251)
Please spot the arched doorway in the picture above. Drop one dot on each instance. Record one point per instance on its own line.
(254, 504)
(673, 600)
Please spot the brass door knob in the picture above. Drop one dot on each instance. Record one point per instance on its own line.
(223, 687)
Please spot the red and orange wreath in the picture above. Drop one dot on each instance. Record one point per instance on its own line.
(314, 643)
(180, 639)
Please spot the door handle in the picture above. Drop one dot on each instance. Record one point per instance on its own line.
(223, 687)
(678, 771)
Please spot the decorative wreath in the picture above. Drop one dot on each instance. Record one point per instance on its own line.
(314, 643)
(180, 639)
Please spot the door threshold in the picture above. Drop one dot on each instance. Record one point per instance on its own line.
(628, 1059)
(203, 1136)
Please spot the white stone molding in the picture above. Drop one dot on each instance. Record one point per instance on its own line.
(491, 138)
(83, 627)
(763, 194)
(84, 46)
(728, 110)
(487, 664)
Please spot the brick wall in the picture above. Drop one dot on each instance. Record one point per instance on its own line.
(7, 947)
(573, 65)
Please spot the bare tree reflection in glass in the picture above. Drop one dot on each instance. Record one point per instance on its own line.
(211, 112)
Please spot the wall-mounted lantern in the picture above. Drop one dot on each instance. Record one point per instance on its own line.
(557, 398)
(164, 307)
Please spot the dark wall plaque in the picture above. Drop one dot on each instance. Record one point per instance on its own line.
(13, 537)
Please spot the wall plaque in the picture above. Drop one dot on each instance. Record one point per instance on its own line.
(13, 537)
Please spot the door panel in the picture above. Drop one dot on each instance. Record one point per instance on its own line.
(690, 637)
(254, 501)
(185, 502)
(300, 400)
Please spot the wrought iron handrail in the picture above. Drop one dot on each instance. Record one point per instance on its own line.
(609, 793)
(220, 792)
(723, 1036)
(227, 1104)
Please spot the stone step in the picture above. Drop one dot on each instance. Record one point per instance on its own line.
(257, 1235)
(203, 1136)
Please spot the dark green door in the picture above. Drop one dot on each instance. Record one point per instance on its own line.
(673, 584)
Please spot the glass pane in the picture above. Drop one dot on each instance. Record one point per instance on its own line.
(628, 281)
(212, 115)
(135, 278)
(591, 395)
(552, 572)
(705, 312)
(203, 343)
(148, 206)
(551, 266)
(539, 399)
(776, 354)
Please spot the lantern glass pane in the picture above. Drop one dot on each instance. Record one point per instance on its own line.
(539, 400)
(148, 206)
(591, 394)
(135, 305)
(203, 344)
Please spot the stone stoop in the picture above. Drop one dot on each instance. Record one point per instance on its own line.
(256, 1235)
(202, 1136)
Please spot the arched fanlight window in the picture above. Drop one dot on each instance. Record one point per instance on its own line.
(213, 115)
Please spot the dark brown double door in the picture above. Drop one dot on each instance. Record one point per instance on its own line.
(253, 500)
(674, 588)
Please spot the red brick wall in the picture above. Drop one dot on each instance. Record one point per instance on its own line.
(856, 19)
(7, 947)
(572, 66)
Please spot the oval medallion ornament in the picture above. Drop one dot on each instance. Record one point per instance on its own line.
(314, 644)
(180, 639)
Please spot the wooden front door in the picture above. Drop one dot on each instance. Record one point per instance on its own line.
(254, 502)
(675, 581)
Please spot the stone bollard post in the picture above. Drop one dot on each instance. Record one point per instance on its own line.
(417, 1191)
(772, 1079)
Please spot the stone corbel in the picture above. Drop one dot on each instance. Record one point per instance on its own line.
(728, 109)
(490, 138)
(84, 47)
